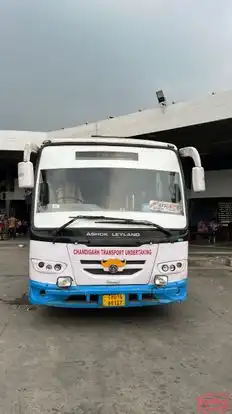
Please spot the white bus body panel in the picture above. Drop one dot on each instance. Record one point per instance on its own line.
(74, 255)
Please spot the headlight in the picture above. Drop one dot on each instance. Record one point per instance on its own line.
(64, 282)
(171, 267)
(161, 280)
(47, 266)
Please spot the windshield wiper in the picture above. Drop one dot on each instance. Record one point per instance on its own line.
(105, 219)
(75, 218)
(132, 221)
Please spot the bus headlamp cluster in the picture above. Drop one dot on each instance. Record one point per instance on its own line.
(171, 267)
(166, 269)
(48, 266)
(161, 280)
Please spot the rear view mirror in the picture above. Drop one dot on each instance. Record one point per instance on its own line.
(198, 179)
(44, 194)
(25, 175)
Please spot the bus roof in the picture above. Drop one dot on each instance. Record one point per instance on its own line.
(109, 140)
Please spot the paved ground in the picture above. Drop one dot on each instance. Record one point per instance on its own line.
(132, 361)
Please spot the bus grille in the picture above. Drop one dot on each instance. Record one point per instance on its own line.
(99, 270)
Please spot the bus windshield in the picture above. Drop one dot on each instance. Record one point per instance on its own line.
(111, 189)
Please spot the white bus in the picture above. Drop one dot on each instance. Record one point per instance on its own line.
(109, 224)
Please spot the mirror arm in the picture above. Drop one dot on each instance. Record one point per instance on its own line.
(28, 149)
(192, 153)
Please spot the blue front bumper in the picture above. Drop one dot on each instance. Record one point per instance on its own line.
(91, 296)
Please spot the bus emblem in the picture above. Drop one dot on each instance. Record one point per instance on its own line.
(113, 266)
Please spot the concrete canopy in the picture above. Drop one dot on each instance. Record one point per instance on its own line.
(16, 140)
(214, 107)
(206, 124)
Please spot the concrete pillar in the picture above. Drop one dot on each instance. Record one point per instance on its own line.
(7, 207)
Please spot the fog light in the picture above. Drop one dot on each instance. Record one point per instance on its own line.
(64, 282)
(161, 280)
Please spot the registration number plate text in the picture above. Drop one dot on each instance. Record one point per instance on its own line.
(114, 300)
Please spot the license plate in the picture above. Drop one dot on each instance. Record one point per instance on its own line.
(114, 300)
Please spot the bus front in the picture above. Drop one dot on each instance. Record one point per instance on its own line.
(109, 225)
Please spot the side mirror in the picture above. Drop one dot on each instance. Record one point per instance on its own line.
(44, 194)
(25, 175)
(198, 179)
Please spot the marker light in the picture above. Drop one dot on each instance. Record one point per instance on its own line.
(64, 282)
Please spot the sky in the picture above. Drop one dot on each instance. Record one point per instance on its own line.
(67, 62)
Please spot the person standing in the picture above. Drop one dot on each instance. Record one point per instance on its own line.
(213, 225)
(12, 223)
(5, 226)
(1, 228)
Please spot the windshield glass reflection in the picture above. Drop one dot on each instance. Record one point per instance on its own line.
(111, 189)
